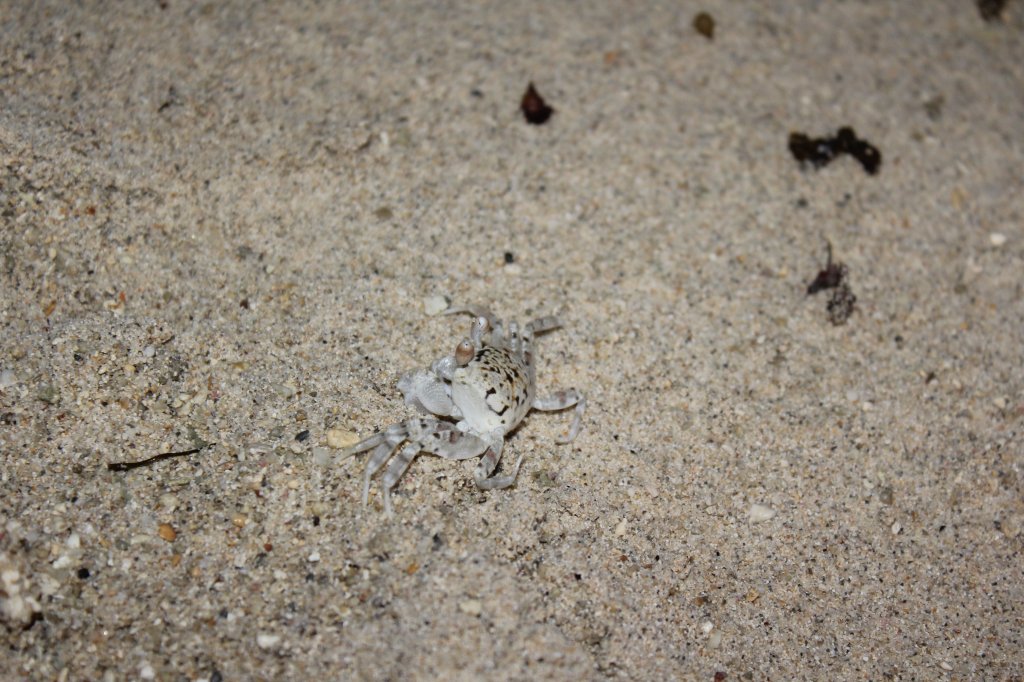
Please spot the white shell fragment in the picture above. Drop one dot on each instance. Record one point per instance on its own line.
(434, 305)
(759, 513)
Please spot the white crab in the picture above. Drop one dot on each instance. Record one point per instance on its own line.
(484, 389)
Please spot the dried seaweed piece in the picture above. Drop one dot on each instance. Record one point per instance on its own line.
(534, 108)
(990, 10)
(829, 278)
(704, 24)
(841, 305)
(820, 151)
(870, 158)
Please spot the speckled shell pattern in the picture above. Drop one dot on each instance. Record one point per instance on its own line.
(509, 382)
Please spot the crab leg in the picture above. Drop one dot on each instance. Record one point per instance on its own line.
(398, 465)
(543, 324)
(560, 400)
(489, 462)
(538, 326)
(377, 459)
(437, 437)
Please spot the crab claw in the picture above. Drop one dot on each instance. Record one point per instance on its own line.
(425, 391)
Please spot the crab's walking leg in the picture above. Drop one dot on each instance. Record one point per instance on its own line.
(560, 400)
(543, 324)
(475, 311)
(488, 463)
(538, 326)
(513, 337)
(380, 455)
(427, 435)
(398, 465)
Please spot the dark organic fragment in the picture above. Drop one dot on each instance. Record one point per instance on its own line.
(933, 107)
(821, 151)
(991, 10)
(126, 466)
(841, 305)
(534, 108)
(704, 24)
(829, 278)
(842, 302)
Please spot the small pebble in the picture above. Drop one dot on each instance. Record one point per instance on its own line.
(146, 672)
(620, 529)
(321, 456)
(997, 239)
(339, 439)
(167, 532)
(896, 528)
(169, 502)
(707, 627)
(435, 305)
(267, 641)
(759, 513)
(704, 24)
(313, 558)
(8, 378)
(471, 607)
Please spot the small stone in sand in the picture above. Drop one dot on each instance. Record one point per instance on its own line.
(167, 532)
(339, 439)
(704, 24)
(759, 513)
(435, 305)
(471, 607)
(267, 641)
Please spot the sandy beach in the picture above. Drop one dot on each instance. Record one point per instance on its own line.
(226, 229)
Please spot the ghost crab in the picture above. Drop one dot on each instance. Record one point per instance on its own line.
(473, 398)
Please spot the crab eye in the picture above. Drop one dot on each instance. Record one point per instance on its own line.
(464, 352)
(482, 324)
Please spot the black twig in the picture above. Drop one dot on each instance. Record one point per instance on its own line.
(125, 466)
